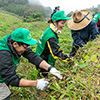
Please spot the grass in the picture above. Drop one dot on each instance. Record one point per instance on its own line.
(80, 80)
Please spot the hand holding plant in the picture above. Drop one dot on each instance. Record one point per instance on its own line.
(42, 84)
(55, 72)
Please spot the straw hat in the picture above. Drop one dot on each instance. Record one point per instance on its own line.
(80, 19)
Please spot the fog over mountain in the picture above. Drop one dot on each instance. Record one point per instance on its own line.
(34, 2)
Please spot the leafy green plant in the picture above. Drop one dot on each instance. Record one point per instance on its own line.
(81, 79)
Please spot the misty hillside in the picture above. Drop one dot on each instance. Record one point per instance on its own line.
(34, 2)
(26, 8)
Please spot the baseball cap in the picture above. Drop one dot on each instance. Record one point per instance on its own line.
(23, 35)
(59, 15)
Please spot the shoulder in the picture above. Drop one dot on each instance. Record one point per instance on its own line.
(92, 23)
(5, 54)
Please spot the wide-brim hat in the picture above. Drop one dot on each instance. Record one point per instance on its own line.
(80, 19)
(23, 35)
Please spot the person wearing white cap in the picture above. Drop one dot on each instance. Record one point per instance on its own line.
(83, 29)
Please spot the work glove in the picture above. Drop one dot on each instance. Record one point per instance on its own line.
(55, 72)
(42, 84)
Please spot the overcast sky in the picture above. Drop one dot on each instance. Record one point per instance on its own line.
(70, 5)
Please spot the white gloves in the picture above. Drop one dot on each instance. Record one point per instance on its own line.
(42, 84)
(55, 72)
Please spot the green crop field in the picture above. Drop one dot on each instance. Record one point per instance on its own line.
(81, 79)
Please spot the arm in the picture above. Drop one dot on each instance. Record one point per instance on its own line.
(35, 59)
(27, 83)
(76, 37)
(93, 30)
(50, 69)
(8, 74)
(55, 50)
(40, 83)
(32, 57)
(44, 65)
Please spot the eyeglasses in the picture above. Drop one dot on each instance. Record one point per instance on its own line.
(26, 47)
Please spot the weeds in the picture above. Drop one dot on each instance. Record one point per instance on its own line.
(81, 79)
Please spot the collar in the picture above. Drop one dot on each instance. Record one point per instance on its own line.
(12, 48)
(54, 28)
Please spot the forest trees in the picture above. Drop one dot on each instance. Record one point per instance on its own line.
(24, 9)
(7, 2)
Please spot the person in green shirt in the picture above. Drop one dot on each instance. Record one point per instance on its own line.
(12, 47)
(48, 46)
(96, 19)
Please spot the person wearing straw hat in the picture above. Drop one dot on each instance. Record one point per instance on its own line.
(48, 46)
(12, 46)
(82, 28)
(96, 19)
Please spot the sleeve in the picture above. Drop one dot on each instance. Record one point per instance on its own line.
(76, 37)
(32, 57)
(55, 50)
(7, 69)
(93, 31)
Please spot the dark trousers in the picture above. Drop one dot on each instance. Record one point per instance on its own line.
(74, 50)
